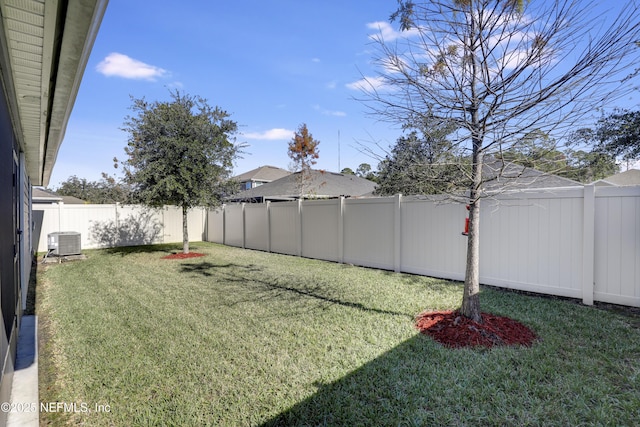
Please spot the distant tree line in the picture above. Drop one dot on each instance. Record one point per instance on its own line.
(105, 190)
(422, 161)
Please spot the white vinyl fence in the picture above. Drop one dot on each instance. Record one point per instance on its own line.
(115, 225)
(575, 242)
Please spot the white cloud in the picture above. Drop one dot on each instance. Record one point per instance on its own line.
(329, 112)
(316, 60)
(366, 84)
(387, 33)
(120, 65)
(271, 134)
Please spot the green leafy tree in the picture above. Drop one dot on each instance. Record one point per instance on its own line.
(418, 164)
(180, 153)
(77, 187)
(618, 135)
(347, 171)
(589, 166)
(106, 190)
(364, 171)
(496, 70)
(537, 150)
(303, 151)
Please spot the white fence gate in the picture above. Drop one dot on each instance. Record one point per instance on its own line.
(575, 242)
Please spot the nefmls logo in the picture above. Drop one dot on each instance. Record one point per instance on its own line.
(74, 407)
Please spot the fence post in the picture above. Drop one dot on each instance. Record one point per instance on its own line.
(164, 224)
(299, 251)
(341, 231)
(588, 244)
(268, 207)
(116, 222)
(60, 208)
(224, 224)
(244, 228)
(397, 262)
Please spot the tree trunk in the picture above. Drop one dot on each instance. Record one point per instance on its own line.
(471, 297)
(185, 231)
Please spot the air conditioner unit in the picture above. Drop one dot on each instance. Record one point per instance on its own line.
(64, 243)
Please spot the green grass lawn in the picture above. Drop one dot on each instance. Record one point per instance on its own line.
(243, 337)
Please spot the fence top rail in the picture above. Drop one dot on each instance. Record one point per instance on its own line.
(533, 193)
(624, 191)
(542, 193)
(256, 206)
(321, 202)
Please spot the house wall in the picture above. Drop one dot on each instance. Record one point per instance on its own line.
(575, 242)
(115, 225)
(26, 230)
(9, 249)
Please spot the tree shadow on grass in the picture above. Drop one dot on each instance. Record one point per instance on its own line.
(262, 289)
(209, 269)
(166, 248)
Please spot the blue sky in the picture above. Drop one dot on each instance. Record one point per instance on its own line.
(272, 65)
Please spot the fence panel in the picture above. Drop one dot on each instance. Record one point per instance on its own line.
(617, 245)
(321, 229)
(171, 218)
(81, 218)
(215, 225)
(120, 225)
(115, 225)
(574, 242)
(256, 220)
(533, 242)
(234, 225)
(46, 219)
(369, 227)
(432, 240)
(285, 228)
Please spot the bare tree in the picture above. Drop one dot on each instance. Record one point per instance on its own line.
(498, 70)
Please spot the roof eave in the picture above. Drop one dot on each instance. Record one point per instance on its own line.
(42, 89)
(84, 18)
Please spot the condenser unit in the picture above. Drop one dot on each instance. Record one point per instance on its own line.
(64, 243)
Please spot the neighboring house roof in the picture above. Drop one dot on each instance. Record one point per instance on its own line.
(629, 177)
(502, 175)
(262, 174)
(321, 184)
(41, 195)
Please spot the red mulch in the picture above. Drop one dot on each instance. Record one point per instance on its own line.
(181, 255)
(453, 330)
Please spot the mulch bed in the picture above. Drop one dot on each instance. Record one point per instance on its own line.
(181, 255)
(451, 329)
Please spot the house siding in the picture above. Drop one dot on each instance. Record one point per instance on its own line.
(9, 249)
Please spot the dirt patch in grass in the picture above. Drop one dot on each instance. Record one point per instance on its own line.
(181, 255)
(453, 330)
